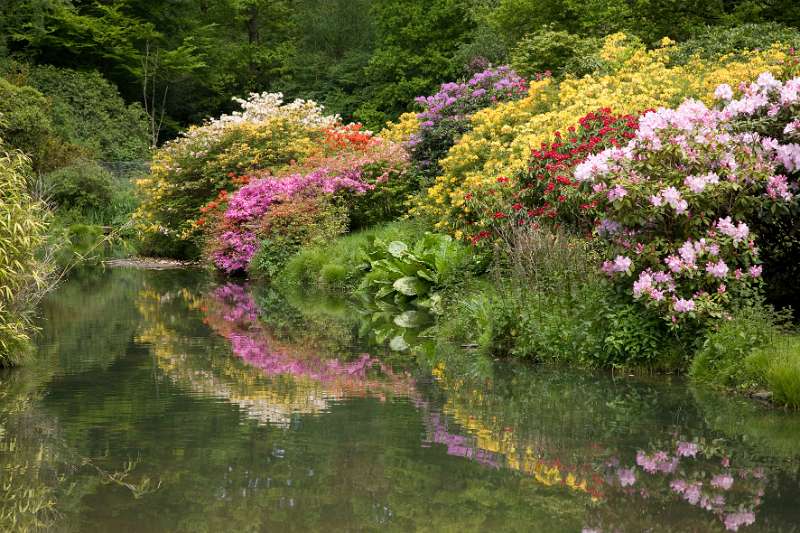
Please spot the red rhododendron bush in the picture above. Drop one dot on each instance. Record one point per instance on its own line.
(546, 190)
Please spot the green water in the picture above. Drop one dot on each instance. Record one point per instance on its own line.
(164, 402)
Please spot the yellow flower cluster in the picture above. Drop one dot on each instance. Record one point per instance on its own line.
(402, 130)
(632, 80)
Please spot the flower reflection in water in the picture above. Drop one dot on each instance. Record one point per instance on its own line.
(696, 473)
(684, 472)
(233, 314)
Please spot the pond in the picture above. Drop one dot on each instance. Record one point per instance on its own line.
(165, 402)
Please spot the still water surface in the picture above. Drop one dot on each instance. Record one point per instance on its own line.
(164, 402)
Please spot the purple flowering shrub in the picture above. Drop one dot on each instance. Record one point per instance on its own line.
(679, 201)
(446, 115)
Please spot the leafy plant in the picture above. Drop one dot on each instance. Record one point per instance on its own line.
(402, 286)
(22, 275)
(82, 186)
(411, 275)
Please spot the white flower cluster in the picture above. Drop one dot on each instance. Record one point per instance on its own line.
(261, 107)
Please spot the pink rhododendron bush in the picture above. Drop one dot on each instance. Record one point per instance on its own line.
(680, 203)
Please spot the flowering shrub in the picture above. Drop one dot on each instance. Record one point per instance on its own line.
(770, 108)
(681, 196)
(236, 232)
(545, 191)
(631, 79)
(323, 192)
(379, 163)
(402, 130)
(187, 172)
(446, 114)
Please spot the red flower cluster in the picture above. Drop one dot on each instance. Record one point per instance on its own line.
(349, 137)
(475, 239)
(546, 188)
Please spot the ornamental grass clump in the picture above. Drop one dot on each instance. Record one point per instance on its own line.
(680, 199)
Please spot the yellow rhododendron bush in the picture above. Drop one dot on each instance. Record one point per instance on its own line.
(631, 80)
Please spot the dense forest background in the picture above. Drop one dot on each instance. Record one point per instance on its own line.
(366, 59)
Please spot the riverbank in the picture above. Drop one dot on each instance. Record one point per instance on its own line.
(545, 304)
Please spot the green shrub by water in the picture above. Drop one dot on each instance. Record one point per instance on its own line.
(335, 266)
(720, 359)
(83, 186)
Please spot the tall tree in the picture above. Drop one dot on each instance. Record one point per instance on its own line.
(416, 43)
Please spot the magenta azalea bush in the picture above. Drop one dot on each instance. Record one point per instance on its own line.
(679, 200)
(238, 241)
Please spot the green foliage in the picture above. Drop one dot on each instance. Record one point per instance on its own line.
(334, 44)
(292, 224)
(558, 52)
(334, 266)
(750, 352)
(407, 275)
(82, 186)
(546, 302)
(25, 124)
(720, 359)
(400, 295)
(650, 21)
(416, 42)
(61, 118)
(87, 111)
(715, 41)
(22, 275)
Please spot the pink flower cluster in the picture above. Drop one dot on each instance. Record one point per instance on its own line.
(686, 175)
(236, 246)
(693, 473)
